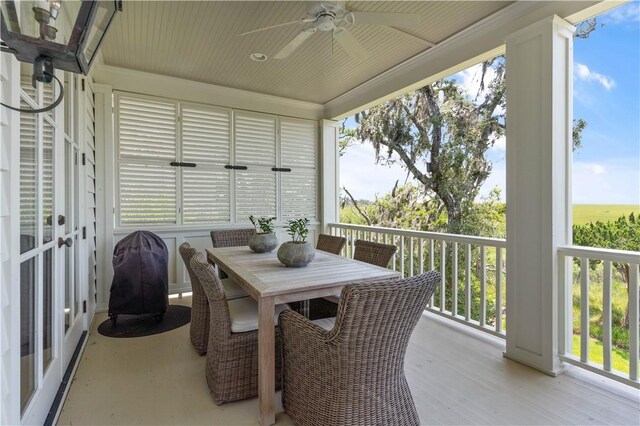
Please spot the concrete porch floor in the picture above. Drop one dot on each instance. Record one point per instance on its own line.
(457, 376)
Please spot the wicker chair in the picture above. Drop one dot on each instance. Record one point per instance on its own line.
(232, 355)
(231, 238)
(366, 251)
(374, 253)
(199, 326)
(353, 373)
(330, 243)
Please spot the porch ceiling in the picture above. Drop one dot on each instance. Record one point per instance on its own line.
(199, 41)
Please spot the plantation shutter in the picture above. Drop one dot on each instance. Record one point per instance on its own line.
(298, 142)
(255, 148)
(206, 141)
(147, 144)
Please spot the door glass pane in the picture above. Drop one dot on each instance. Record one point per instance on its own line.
(76, 189)
(47, 308)
(27, 331)
(47, 180)
(68, 99)
(28, 180)
(68, 184)
(68, 280)
(76, 275)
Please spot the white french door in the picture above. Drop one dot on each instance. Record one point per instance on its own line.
(50, 284)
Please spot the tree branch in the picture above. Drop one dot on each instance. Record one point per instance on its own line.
(355, 204)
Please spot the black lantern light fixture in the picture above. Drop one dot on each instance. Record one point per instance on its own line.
(55, 34)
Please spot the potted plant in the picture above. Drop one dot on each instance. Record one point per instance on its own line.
(297, 252)
(264, 240)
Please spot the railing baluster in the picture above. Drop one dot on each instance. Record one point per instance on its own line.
(483, 285)
(401, 256)
(499, 289)
(584, 309)
(410, 256)
(421, 254)
(443, 271)
(634, 317)
(454, 281)
(606, 316)
(393, 259)
(467, 283)
(431, 266)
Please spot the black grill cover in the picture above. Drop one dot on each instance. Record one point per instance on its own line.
(140, 275)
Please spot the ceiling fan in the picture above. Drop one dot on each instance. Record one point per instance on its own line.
(332, 17)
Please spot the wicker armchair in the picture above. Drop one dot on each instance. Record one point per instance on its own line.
(199, 325)
(232, 238)
(366, 251)
(374, 253)
(330, 243)
(353, 374)
(232, 356)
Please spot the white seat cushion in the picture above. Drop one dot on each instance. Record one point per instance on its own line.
(334, 298)
(326, 323)
(232, 289)
(244, 314)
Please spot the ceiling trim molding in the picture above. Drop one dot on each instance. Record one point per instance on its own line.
(128, 80)
(478, 42)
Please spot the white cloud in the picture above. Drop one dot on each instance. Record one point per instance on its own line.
(365, 179)
(629, 12)
(584, 73)
(613, 181)
(499, 143)
(470, 79)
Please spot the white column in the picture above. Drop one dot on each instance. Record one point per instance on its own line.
(539, 129)
(330, 172)
(9, 242)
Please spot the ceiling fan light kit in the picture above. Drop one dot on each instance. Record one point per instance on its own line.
(334, 18)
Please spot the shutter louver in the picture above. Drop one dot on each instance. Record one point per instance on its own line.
(255, 147)
(147, 194)
(205, 135)
(147, 129)
(147, 143)
(255, 139)
(298, 143)
(255, 194)
(206, 141)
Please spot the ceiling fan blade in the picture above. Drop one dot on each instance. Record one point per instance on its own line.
(299, 21)
(295, 43)
(403, 20)
(350, 44)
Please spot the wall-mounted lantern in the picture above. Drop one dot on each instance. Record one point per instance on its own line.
(50, 34)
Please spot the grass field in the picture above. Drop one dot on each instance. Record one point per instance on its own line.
(585, 213)
(619, 359)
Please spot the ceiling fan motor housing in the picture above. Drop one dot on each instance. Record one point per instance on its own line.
(326, 21)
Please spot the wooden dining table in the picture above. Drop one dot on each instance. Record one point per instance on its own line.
(269, 282)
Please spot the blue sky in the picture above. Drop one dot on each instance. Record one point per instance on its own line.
(606, 170)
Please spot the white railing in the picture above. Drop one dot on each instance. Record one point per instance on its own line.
(472, 286)
(584, 270)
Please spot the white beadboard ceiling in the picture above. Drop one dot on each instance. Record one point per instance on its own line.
(199, 41)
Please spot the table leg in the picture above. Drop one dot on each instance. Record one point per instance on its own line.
(266, 360)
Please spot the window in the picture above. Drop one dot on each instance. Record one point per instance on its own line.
(230, 164)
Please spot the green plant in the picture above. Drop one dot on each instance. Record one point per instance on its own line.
(263, 225)
(298, 229)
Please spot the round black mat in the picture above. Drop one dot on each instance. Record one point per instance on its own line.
(146, 325)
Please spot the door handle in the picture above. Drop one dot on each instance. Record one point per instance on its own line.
(61, 219)
(62, 242)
